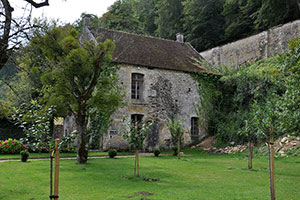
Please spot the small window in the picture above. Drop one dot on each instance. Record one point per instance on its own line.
(136, 118)
(137, 81)
(194, 126)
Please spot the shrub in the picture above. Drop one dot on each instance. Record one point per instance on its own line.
(24, 155)
(174, 151)
(11, 146)
(156, 152)
(112, 153)
(67, 144)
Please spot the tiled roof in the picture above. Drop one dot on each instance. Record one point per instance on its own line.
(149, 51)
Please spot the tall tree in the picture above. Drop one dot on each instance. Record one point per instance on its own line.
(239, 17)
(122, 16)
(274, 12)
(13, 30)
(71, 75)
(146, 12)
(168, 20)
(203, 23)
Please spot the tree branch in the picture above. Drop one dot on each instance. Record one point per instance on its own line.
(38, 5)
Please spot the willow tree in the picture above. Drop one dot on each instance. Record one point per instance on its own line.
(71, 74)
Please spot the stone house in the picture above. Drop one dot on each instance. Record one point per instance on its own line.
(156, 76)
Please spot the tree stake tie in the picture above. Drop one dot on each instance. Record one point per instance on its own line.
(56, 178)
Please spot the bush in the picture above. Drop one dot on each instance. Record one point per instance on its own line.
(112, 153)
(11, 146)
(24, 155)
(156, 152)
(175, 151)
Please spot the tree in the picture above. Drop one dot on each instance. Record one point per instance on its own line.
(13, 30)
(239, 16)
(135, 136)
(35, 120)
(203, 23)
(122, 16)
(71, 74)
(176, 130)
(146, 12)
(168, 20)
(274, 12)
(266, 119)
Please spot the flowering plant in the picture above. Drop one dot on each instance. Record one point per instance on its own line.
(10, 146)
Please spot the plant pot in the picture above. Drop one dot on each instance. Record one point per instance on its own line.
(24, 157)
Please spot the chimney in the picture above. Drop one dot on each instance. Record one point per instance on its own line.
(179, 38)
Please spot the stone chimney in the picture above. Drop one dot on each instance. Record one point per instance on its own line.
(179, 38)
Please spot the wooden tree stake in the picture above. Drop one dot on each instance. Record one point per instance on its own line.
(271, 164)
(137, 163)
(250, 156)
(56, 175)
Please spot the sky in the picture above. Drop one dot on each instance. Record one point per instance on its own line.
(66, 10)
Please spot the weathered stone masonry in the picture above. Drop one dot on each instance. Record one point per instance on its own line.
(166, 90)
(265, 44)
(165, 94)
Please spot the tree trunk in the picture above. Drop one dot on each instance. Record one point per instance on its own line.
(250, 156)
(82, 153)
(178, 148)
(271, 164)
(137, 163)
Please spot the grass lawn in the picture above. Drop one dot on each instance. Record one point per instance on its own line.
(199, 176)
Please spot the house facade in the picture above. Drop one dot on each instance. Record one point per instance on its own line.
(156, 77)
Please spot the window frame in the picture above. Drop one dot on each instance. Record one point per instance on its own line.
(194, 126)
(137, 85)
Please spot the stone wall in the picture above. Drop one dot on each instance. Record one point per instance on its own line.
(165, 93)
(256, 47)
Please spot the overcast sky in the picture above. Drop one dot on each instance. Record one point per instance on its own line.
(67, 11)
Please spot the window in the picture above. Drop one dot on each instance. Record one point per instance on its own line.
(194, 126)
(137, 86)
(136, 118)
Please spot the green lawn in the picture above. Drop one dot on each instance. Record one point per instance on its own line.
(199, 176)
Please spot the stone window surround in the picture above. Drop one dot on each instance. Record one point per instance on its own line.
(137, 86)
(194, 125)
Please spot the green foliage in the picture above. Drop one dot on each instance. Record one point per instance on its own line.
(24, 155)
(122, 16)
(209, 90)
(203, 23)
(175, 150)
(176, 130)
(257, 97)
(67, 144)
(156, 152)
(168, 20)
(137, 133)
(274, 12)
(35, 121)
(10, 146)
(112, 153)
(146, 12)
(108, 97)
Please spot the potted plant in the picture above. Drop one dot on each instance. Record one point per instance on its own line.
(156, 152)
(24, 155)
(112, 153)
